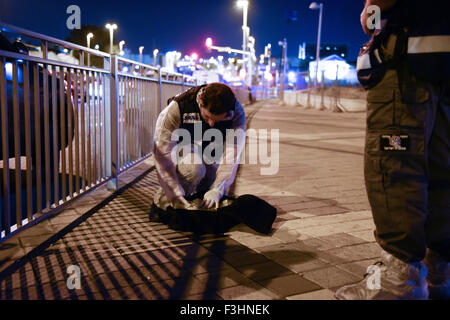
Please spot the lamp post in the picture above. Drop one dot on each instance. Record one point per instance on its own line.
(245, 33)
(88, 37)
(111, 28)
(121, 44)
(155, 54)
(283, 44)
(315, 6)
(141, 49)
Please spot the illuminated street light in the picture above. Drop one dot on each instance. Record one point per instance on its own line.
(121, 44)
(155, 54)
(88, 37)
(141, 49)
(194, 56)
(245, 33)
(97, 46)
(209, 43)
(111, 28)
(315, 6)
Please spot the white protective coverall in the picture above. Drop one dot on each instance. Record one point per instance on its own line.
(183, 178)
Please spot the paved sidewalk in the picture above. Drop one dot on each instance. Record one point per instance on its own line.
(322, 238)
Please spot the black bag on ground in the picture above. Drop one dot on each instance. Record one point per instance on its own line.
(248, 209)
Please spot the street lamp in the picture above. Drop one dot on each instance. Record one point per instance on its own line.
(283, 44)
(121, 44)
(315, 6)
(155, 54)
(141, 49)
(88, 37)
(245, 31)
(111, 28)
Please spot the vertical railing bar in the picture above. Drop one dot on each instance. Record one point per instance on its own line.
(131, 123)
(55, 135)
(62, 119)
(104, 124)
(136, 108)
(5, 223)
(141, 106)
(94, 126)
(136, 105)
(100, 130)
(95, 123)
(126, 129)
(17, 169)
(136, 120)
(119, 110)
(77, 133)
(159, 90)
(37, 137)
(70, 128)
(47, 137)
(113, 127)
(26, 88)
(145, 117)
(88, 127)
(83, 129)
(124, 133)
(149, 124)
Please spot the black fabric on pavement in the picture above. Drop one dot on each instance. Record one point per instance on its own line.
(248, 209)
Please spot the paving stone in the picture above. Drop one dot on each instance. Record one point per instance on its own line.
(208, 264)
(243, 257)
(366, 235)
(224, 279)
(358, 268)
(289, 235)
(164, 271)
(255, 292)
(324, 294)
(34, 241)
(263, 271)
(330, 277)
(341, 240)
(289, 285)
(254, 242)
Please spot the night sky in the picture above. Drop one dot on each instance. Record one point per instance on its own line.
(184, 25)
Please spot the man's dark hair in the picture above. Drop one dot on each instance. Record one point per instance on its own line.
(217, 98)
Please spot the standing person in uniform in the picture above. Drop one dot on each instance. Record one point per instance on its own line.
(212, 106)
(407, 154)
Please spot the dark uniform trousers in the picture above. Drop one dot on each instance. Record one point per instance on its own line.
(409, 190)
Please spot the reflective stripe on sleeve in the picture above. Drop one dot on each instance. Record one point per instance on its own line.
(428, 44)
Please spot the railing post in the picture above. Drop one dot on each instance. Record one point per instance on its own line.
(112, 125)
(182, 83)
(160, 89)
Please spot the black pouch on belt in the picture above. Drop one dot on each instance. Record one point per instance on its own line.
(371, 66)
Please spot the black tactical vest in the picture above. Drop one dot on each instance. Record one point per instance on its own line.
(428, 37)
(190, 115)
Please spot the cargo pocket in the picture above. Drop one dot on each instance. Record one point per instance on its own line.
(380, 108)
(411, 103)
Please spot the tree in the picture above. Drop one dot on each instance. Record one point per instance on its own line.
(101, 37)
